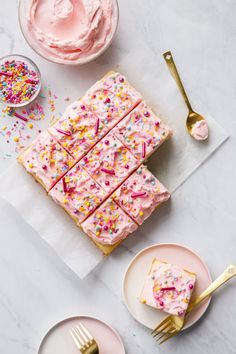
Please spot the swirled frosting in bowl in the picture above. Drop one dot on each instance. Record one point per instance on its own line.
(72, 31)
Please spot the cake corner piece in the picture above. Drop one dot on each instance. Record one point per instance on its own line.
(108, 226)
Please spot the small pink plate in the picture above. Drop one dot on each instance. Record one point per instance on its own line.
(58, 339)
(137, 271)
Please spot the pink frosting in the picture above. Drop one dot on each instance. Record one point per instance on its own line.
(140, 194)
(168, 288)
(109, 162)
(142, 131)
(46, 160)
(112, 98)
(78, 193)
(200, 130)
(72, 29)
(108, 224)
(78, 129)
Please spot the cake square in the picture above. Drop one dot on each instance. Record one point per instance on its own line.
(168, 287)
(78, 194)
(109, 162)
(142, 132)
(140, 194)
(78, 130)
(46, 160)
(108, 225)
(112, 98)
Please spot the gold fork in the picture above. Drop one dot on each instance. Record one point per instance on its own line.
(84, 340)
(171, 325)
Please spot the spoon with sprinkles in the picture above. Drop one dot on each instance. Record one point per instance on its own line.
(20, 81)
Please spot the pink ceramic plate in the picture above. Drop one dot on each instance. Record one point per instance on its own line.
(136, 274)
(58, 339)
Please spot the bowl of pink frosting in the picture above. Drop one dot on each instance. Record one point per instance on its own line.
(69, 31)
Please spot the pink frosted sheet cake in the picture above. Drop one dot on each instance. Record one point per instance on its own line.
(89, 161)
(108, 225)
(111, 98)
(141, 194)
(109, 162)
(78, 194)
(142, 132)
(168, 288)
(78, 130)
(46, 160)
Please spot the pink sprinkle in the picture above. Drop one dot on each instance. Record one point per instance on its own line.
(143, 149)
(138, 195)
(29, 81)
(82, 107)
(127, 167)
(121, 79)
(190, 286)
(109, 172)
(157, 124)
(20, 117)
(64, 132)
(64, 185)
(97, 126)
(167, 289)
(5, 73)
(44, 167)
(107, 142)
(161, 303)
(107, 100)
(147, 114)
(105, 227)
(107, 183)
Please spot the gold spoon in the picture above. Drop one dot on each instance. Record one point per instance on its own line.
(194, 120)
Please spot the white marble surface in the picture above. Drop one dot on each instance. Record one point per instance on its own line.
(37, 290)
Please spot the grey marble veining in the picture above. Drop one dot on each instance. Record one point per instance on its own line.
(37, 290)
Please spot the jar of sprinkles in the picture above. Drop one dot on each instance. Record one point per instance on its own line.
(20, 80)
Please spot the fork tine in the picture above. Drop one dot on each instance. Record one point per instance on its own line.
(168, 337)
(79, 337)
(160, 324)
(77, 343)
(166, 333)
(168, 324)
(82, 337)
(86, 331)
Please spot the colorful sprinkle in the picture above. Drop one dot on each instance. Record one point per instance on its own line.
(19, 82)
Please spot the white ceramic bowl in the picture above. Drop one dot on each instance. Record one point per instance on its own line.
(32, 66)
(24, 6)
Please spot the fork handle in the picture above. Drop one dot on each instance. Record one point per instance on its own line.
(228, 273)
(174, 72)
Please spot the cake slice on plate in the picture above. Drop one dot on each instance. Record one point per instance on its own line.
(108, 226)
(78, 130)
(142, 132)
(109, 162)
(78, 194)
(141, 194)
(111, 98)
(168, 288)
(46, 160)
